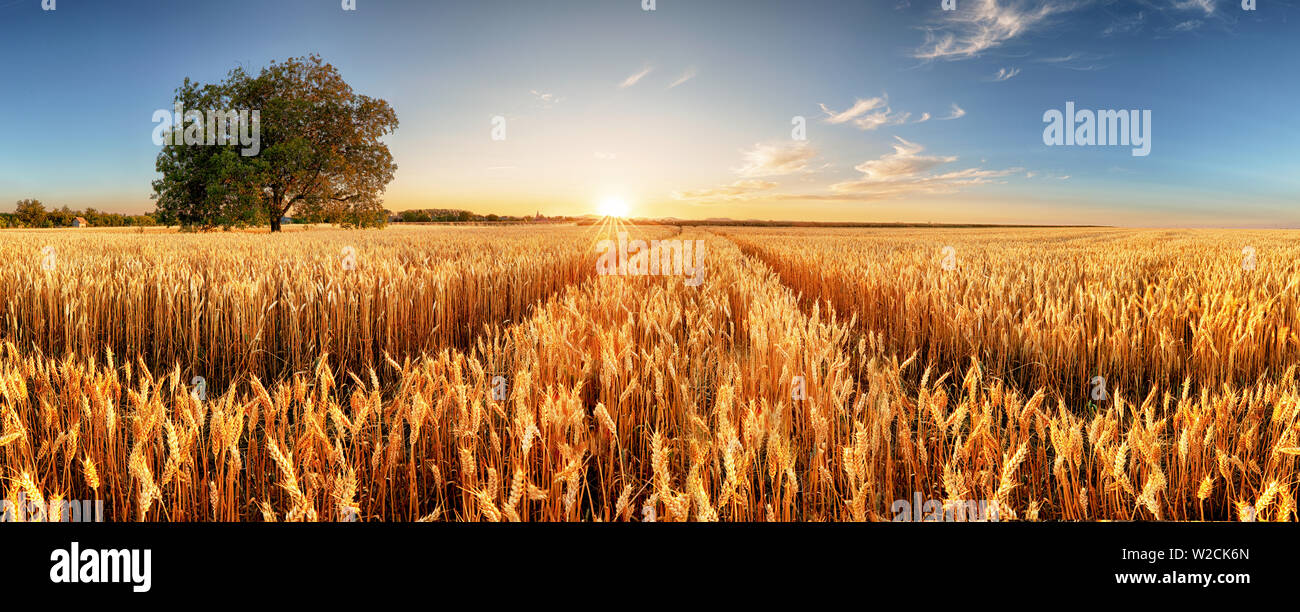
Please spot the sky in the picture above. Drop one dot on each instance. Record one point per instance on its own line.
(808, 110)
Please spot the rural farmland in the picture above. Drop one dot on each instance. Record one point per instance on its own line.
(500, 374)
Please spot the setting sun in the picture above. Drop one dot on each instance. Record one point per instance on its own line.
(613, 206)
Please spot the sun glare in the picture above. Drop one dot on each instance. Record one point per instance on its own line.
(613, 206)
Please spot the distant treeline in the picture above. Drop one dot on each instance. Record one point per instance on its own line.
(32, 213)
(757, 223)
(448, 215)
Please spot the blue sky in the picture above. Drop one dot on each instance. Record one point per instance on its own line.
(912, 113)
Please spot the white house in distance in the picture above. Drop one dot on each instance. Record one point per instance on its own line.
(80, 222)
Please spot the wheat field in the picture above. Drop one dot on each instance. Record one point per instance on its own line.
(491, 374)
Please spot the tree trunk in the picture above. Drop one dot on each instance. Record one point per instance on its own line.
(277, 209)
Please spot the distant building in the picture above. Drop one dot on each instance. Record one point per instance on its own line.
(286, 220)
(80, 222)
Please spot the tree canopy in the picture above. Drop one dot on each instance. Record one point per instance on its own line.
(31, 212)
(318, 152)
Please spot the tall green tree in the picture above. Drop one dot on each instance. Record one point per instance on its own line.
(320, 153)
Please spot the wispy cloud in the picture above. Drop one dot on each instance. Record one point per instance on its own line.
(1176, 16)
(881, 118)
(776, 159)
(907, 171)
(903, 172)
(853, 112)
(744, 189)
(982, 25)
(547, 99)
(1005, 74)
(764, 160)
(1058, 59)
(1132, 23)
(635, 78)
(686, 76)
(957, 113)
(1206, 6)
(870, 114)
(1077, 60)
(905, 161)
(1184, 16)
